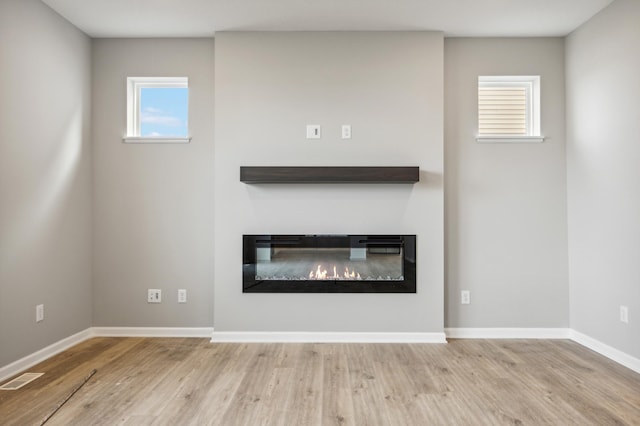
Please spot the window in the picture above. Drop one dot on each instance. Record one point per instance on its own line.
(157, 110)
(509, 109)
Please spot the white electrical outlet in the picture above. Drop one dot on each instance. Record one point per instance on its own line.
(154, 295)
(39, 313)
(346, 131)
(624, 314)
(465, 297)
(182, 295)
(313, 131)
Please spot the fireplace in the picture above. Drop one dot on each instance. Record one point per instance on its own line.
(329, 264)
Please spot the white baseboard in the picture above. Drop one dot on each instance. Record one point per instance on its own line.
(43, 354)
(547, 333)
(152, 331)
(321, 337)
(606, 350)
(64, 344)
(326, 337)
(507, 333)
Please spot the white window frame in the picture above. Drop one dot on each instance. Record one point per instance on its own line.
(531, 84)
(134, 90)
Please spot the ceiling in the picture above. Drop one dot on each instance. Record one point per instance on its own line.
(202, 18)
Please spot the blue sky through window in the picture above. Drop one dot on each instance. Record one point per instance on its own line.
(164, 111)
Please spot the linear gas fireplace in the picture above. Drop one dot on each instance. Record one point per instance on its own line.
(329, 264)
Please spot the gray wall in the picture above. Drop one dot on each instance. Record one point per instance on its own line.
(153, 216)
(269, 86)
(505, 214)
(45, 178)
(603, 152)
(125, 218)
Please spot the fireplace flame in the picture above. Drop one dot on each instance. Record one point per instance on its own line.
(320, 274)
(323, 274)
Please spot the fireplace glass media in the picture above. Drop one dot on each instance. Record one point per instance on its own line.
(329, 264)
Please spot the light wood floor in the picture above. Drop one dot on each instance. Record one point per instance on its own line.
(143, 381)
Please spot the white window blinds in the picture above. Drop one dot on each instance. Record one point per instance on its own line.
(508, 106)
(502, 110)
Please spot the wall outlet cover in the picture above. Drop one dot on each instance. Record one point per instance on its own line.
(39, 313)
(313, 131)
(346, 131)
(624, 314)
(154, 295)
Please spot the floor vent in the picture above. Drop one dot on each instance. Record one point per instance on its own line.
(20, 381)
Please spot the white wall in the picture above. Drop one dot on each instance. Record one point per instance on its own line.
(269, 86)
(153, 216)
(505, 214)
(45, 178)
(603, 153)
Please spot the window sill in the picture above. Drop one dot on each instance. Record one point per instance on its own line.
(139, 139)
(510, 139)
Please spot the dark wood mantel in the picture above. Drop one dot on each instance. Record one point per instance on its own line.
(256, 175)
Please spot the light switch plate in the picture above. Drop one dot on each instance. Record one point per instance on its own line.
(313, 131)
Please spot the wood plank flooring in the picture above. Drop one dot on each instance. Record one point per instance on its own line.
(176, 381)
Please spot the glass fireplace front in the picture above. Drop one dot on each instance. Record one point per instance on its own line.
(329, 264)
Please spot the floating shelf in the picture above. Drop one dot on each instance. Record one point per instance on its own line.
(255, 175)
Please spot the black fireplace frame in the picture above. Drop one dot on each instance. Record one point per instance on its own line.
(251, 285)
